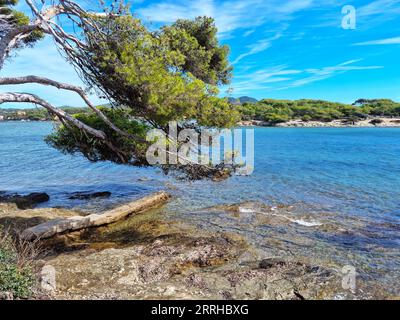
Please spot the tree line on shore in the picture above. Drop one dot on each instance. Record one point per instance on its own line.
(268, 110)
(35, 114)
(278, 111)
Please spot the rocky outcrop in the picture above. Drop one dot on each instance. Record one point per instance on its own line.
(24, 202)
(186, 267)
(148, 256)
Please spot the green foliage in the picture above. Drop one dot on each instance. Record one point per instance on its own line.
(151, 79)
(203, 56)
(168, 75)
(18, 280)
(275, 111)
(18, 19)
(379, 107)
(118, 148)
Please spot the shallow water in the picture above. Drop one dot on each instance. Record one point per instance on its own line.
(343, 186)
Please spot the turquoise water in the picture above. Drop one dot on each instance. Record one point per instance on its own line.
(349, 178)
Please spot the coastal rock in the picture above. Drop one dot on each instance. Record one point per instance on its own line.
(175, 272)
(142, 271)
(165, 260)
(48, 278)
(25, 202)
(6, 296)
(18, 220)
(270, 263)
(89, 195)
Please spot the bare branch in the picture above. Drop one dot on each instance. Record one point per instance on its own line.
(31, 98)
(68, 87)
(14, 35)
(12, 38)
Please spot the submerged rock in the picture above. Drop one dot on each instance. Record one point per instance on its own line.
(25, 202)
(89, 195)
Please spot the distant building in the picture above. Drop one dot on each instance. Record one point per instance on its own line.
(1, 118)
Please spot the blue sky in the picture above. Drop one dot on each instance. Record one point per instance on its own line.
(284, 49)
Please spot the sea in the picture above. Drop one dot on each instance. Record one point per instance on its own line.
(339, 189)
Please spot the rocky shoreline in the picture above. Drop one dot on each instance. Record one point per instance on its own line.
(148, 256)
(368, 123)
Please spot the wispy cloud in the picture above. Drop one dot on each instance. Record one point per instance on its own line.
(320, 74)
(249, 32)
(369, 15)
(265, 79)
(259, 46)
(387, 41)
(379, 7)
(230, 15)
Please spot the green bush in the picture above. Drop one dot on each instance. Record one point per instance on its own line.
(16, 274)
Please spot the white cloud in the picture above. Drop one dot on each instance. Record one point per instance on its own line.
(369, 15)
(387, 41)
(329, 72)
(294, 6)
(265, 79)
(259, 46)
(249, 32)
(379, 7)
(229, 15)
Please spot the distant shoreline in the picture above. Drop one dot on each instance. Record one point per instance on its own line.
(385, 123)
(23, 120)
(368, 123)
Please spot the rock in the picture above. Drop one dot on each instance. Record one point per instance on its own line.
(271, 263)
(25, 202)
(6, 296)
(376, 122)
(18, 220)
(89, 195)
(181, 263)
(221, 176)
(48, 278)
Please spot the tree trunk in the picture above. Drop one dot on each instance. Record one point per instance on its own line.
(57, 226)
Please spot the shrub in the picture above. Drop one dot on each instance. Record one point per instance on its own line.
(17, 271)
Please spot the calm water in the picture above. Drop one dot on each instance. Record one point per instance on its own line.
(349, 178)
